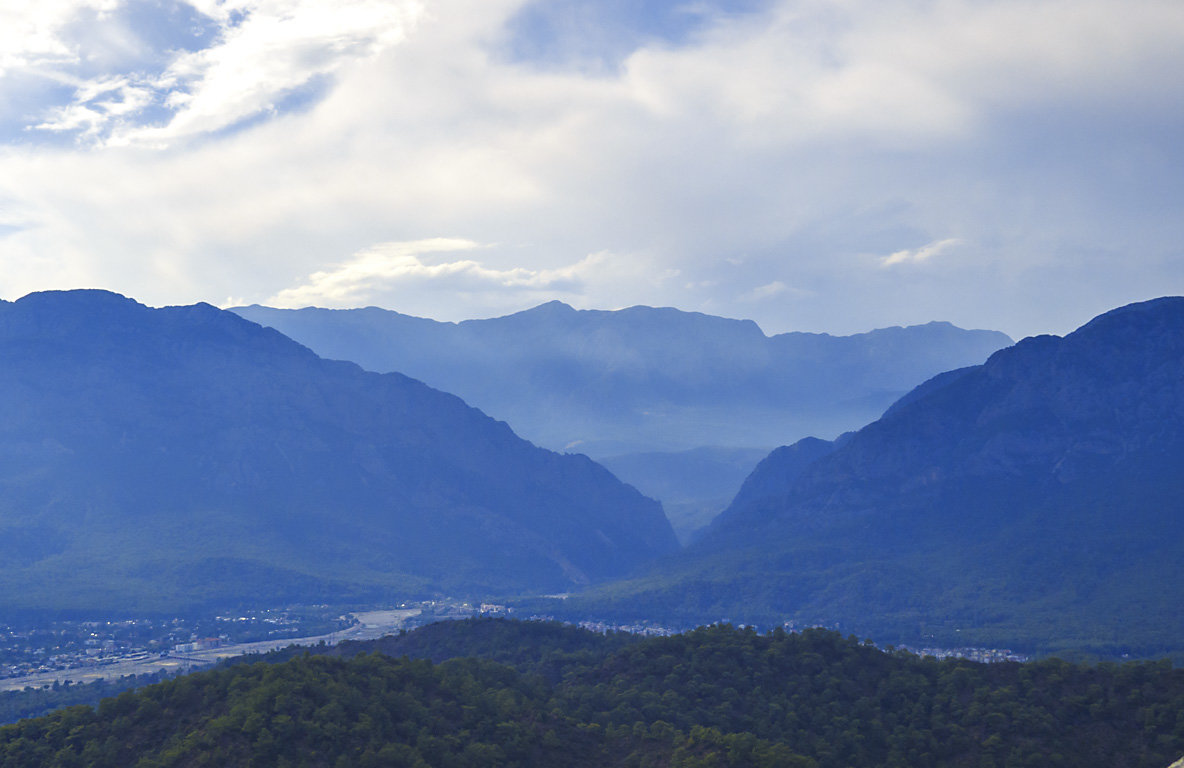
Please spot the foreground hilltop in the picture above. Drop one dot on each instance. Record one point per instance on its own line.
(1034, 501)
(546, 695)
(169, 458)
(643, 379)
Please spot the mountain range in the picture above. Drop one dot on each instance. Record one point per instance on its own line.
(643, 379)
(1036, 500)
(679, 404)
(185, 457)
(159, 459)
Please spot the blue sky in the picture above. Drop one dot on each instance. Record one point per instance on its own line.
(833, 166)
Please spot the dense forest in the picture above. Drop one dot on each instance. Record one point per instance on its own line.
(34, 702)
(549, 695)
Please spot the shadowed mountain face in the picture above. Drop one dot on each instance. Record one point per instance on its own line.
(162, 458)
(643, 379)
(1035, 500)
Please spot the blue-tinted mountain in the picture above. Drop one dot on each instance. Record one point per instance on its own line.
(643, 379)
(163, 458)
(1036, 501)
(679, 404)
(781, 468)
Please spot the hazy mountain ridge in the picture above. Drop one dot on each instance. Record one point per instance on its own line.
(643, 379)
(187, 454)
(629, 385)
(1036, 499)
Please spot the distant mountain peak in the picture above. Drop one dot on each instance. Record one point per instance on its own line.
(78, 299)
(554, 304)
(553, 307)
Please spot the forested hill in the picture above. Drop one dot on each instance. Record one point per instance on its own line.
(717, 696)
(158, 459)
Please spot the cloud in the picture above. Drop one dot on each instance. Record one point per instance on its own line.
(389, 268)
(779, 147)
(922, 254)
(97, 104)
(33, 34)
(262, 52)
(766, 291)
(268, 48)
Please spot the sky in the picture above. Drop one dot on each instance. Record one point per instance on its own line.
(834, 165)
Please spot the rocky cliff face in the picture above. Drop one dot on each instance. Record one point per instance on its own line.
(186, 455)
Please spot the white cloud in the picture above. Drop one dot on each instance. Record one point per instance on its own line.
(31, 33)
(263, 51)
(774, 149)
(388, 268)
(922, 254)
(97, 104)
(766, 291)
(277, 46)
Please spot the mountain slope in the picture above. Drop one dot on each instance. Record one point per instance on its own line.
(1035, 501)
(165, 457)
(643, 379)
